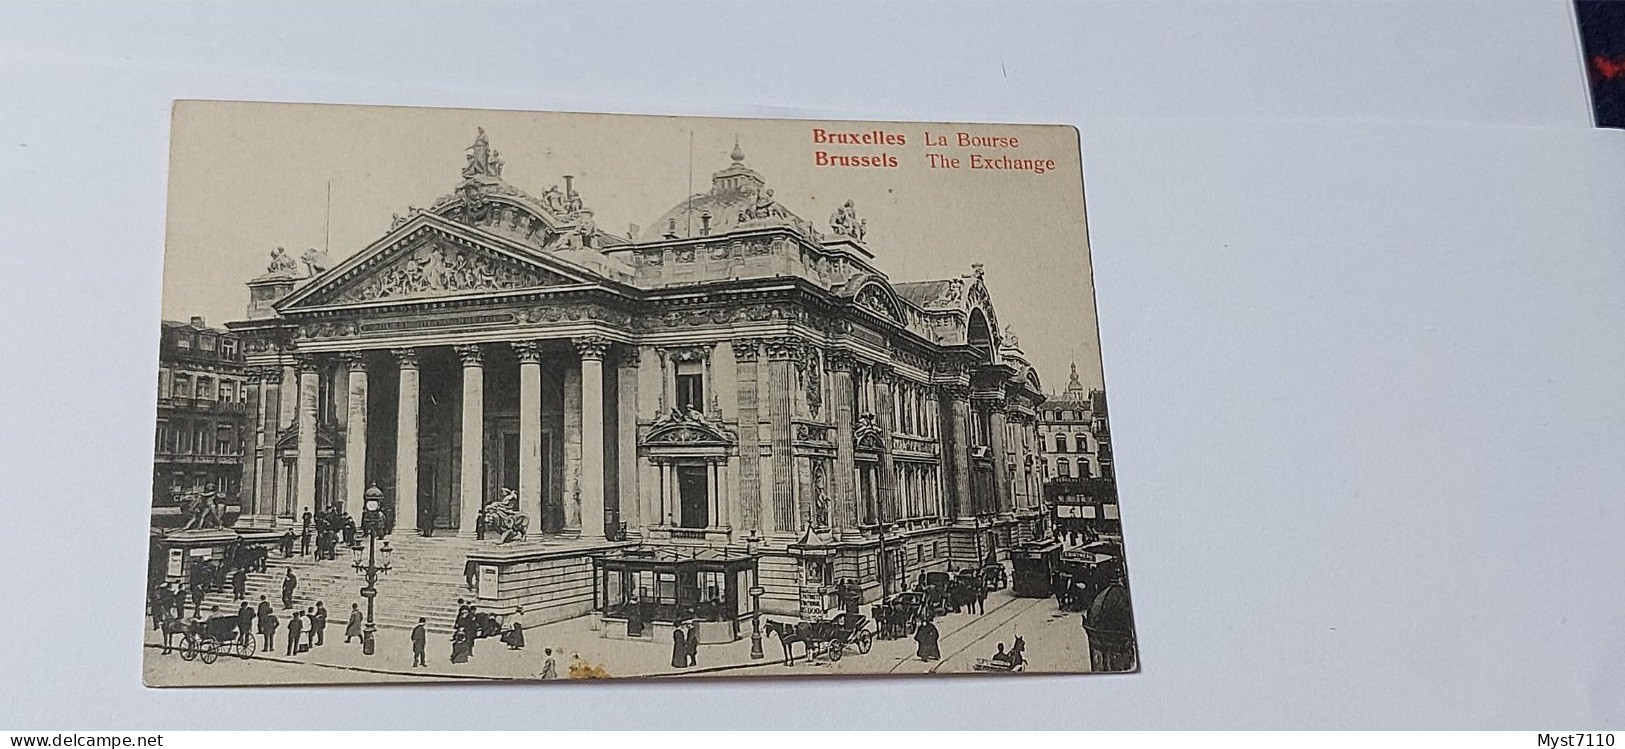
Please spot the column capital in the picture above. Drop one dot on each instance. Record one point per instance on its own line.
(841, 360)
(306, 363)
(955, 391)
(354, 361)
(270, 375)
(745, 349)
(787, 348)
(472, 355)
(529, 352)
(591, 347)
(407, 358)
(883, 373)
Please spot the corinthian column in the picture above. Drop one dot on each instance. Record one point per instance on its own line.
(406, 442)
(844, 482)
(530, 430)
(592, 436)
(355, 433)
(959, 400)
(305, 493)
(471, 489)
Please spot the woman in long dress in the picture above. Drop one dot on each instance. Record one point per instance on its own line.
(515, 636)
(679, 648)
(926, 637)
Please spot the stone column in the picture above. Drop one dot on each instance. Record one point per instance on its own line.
(1001, 466)
(288, 406)
(745, 352)
(471, 489)
(886, 484)
(782, 354)
(959, 404)
(530, 430)
(305, 471)
(844, 482)
(592, 436)
(355, 433)
(406, 442)
(254, 455)
(626, 437)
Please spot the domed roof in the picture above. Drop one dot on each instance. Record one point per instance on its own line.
(738, 197)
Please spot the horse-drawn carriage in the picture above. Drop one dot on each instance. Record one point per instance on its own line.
(900, 615)
(1082, 575)
(1013, 660)
(825, 639)
(209, 639)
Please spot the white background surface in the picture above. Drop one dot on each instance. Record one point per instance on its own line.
(1359, 276)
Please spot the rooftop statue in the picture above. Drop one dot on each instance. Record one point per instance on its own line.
(316, 260)
(282, 264)
(845, 222)
(480, 158)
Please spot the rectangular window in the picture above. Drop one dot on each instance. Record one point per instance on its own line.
(690, 386)
(228, 346)
(206, 342)
(183, 341)
(694, 496)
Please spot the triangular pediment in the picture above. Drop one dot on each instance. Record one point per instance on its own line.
(430, 257)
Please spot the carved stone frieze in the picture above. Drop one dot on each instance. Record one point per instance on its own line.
(434, 268)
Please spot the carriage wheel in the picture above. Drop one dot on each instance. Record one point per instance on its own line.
(835, 650)
(866, 640)
(189, 648)
(211, 651)
(247, 651)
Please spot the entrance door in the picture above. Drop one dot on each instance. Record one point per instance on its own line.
(693, 497)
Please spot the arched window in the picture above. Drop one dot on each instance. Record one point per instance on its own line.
(1083, 469)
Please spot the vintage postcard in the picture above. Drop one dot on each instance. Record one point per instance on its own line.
(468, 395)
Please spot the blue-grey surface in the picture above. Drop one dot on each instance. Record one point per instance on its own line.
(1359, 277)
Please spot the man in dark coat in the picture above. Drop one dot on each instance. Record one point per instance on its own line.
(318, 625)
(289, 585)
(296, 627)
(420, 641)
(304, 535)
(245, 623)
(268, 625)
(239, 583)
(352, 626)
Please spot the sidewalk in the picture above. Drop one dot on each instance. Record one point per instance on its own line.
(570, 640)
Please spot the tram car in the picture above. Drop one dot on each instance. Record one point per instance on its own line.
(1034, 566)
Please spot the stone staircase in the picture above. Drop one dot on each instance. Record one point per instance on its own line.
(426, 580)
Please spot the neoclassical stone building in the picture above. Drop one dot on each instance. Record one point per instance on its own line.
(731, 370)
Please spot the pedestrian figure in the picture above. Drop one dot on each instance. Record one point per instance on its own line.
(304, 535)
(287, 544)
(289, 584)
(471, 573)
(349, 532)
(296, 628)
(352, 627)
(239, 583)
(514, 638)
(693, 644)
(550, 668)
(245, 623)
(268, 625)
(981, 598)
(679, 648)
(420, 640)
(319, 625)
(926, 639)
(461, 645)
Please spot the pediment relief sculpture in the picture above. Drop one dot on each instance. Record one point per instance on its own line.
(432, 269)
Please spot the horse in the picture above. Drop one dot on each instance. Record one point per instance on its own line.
(171, 626)
(789, 634)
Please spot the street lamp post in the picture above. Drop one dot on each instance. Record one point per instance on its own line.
(753, 544)
(372, 522)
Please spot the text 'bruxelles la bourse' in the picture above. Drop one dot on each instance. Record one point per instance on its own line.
(952, 156)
